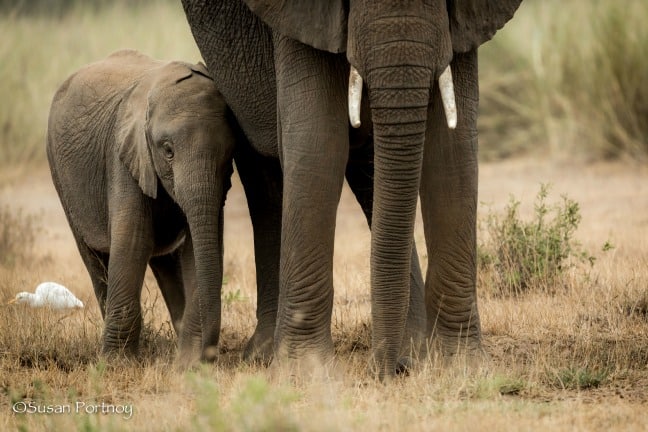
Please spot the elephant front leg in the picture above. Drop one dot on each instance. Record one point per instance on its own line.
(314, 148)
(449, 207)
(129, 254)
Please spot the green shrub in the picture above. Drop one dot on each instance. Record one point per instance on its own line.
(524, 255)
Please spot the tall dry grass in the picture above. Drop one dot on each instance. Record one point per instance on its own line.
(39, 51)
(568, 79)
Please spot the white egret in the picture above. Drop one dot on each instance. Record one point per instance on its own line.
(49, 294)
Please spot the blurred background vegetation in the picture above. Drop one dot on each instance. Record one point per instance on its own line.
(568, 79)
(561, 80)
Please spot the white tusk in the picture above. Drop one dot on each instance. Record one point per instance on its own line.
(355, 96)
(448, 97)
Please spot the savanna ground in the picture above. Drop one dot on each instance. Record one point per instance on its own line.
(570, 352)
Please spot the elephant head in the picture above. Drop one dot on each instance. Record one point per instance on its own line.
(173, 131)
(400, 49)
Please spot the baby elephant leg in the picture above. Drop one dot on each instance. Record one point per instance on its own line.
(97, 265)
(167, 270)
(131, 245)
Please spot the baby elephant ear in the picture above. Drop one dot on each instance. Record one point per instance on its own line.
(132, 141)
(473, 22)
(201, 69)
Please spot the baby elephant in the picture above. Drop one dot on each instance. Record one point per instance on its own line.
(140, 153)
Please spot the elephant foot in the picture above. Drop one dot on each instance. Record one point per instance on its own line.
(316, 361)
(412, 351)
(119, 355)
(190, 360)
(305, 370)
(121, 347)
(465, 353)
(191, 352)
(260, 347)
(187, 361)
(405, 365)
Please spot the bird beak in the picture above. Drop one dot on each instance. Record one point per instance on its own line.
(12, 301)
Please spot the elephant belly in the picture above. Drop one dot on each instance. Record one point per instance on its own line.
(166, 245)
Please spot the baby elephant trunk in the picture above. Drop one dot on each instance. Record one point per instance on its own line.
(202, 317)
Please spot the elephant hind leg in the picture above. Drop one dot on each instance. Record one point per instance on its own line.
(168, 273)
(262, 181)
(97, 265)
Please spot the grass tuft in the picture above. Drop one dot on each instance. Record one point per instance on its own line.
(496, 385)
(256, 405)
(578, 378)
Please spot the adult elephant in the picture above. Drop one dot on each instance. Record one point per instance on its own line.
(295, 55)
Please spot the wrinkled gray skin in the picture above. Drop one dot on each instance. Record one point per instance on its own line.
(289, 61)
(257, 160)
(140, 152)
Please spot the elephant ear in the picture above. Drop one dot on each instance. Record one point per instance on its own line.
(132, 141)
(321, 24)
(473, 22)
(176, 71)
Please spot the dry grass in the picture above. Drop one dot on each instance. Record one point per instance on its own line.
(576, 359)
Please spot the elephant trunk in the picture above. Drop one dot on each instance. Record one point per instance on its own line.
(399, 111)
(201, 328)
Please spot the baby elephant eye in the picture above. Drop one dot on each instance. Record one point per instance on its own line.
(167, 148)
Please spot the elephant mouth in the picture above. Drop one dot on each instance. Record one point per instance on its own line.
(446, 88)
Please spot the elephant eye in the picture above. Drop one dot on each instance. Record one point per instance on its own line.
(167, 148)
